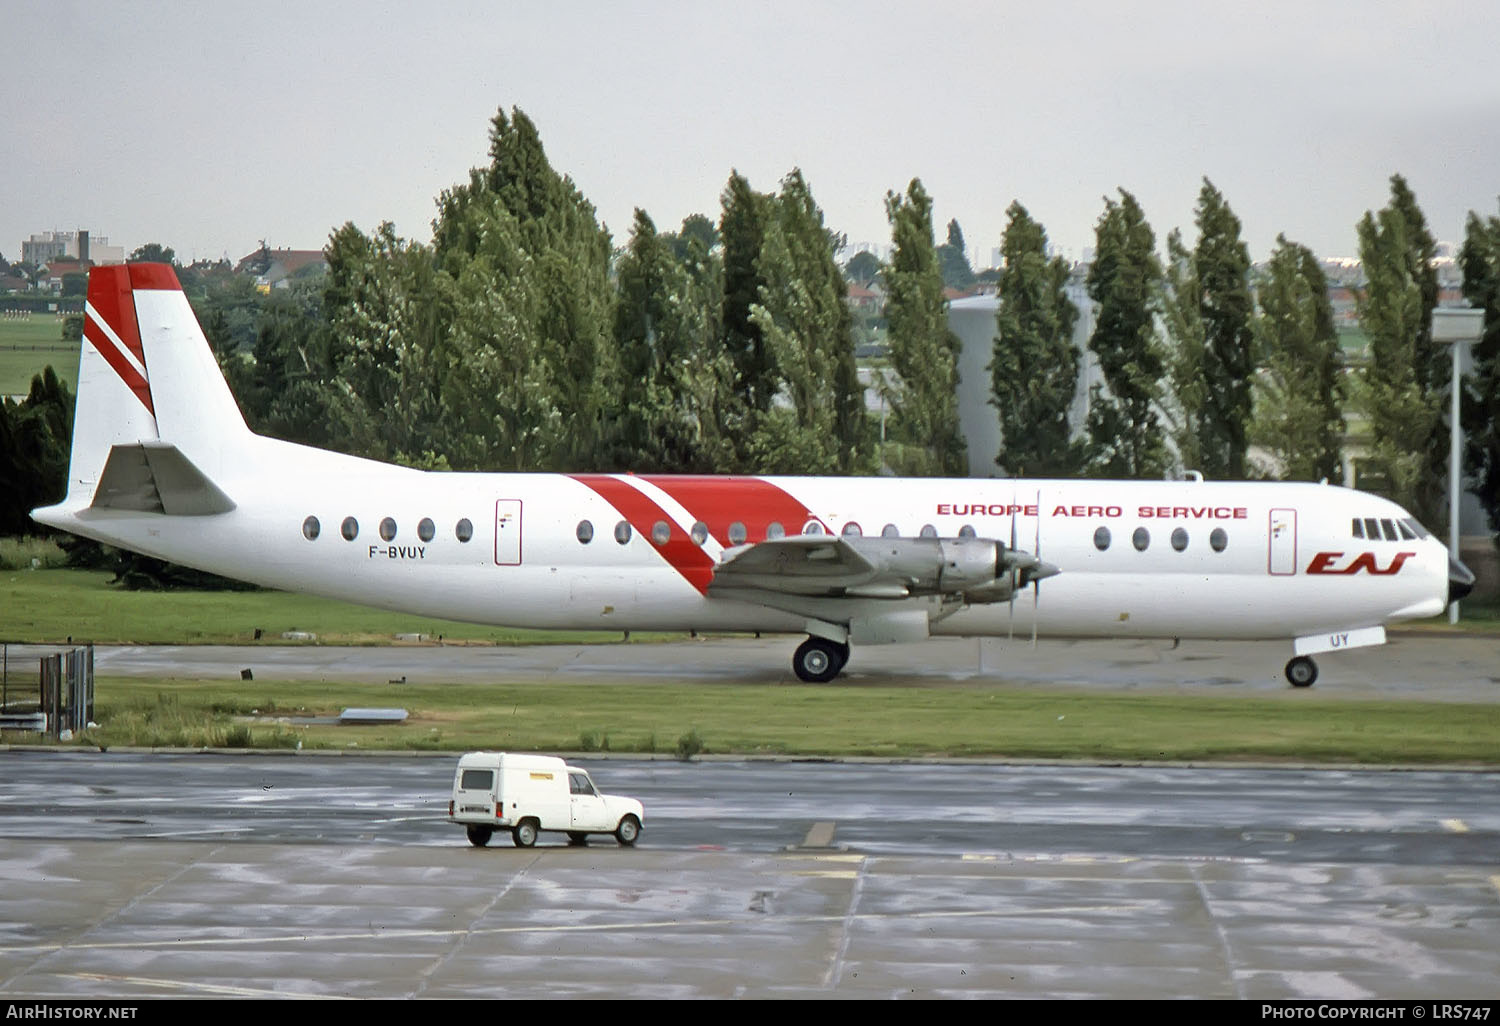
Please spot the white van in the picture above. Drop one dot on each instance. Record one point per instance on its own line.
(530, 793)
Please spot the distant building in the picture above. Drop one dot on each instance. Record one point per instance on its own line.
(80, 245)
(273, 268)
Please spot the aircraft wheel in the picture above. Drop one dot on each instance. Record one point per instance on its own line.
(628, 830)
(479, 836)
(524, 833)
(1301, 672)
(818, 660)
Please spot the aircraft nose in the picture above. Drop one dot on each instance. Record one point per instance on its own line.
(1460, 580)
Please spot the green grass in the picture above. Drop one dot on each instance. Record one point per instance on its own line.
(53, 605)
(21, 359)
(959, 720)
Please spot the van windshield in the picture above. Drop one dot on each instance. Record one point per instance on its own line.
(476, 780)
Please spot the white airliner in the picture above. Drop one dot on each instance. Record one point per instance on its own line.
(163, 464)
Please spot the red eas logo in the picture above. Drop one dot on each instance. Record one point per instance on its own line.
(1323, 563)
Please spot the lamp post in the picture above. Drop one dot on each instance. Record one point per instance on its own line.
(1455, 326)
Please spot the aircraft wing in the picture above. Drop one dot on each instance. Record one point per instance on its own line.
(802, 564)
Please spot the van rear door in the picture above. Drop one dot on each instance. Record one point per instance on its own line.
(474, 792)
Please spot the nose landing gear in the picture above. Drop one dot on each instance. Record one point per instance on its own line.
(818, 660)
(1301, 672)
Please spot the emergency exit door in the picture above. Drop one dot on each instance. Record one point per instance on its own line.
(1282, 558)
(508, 532)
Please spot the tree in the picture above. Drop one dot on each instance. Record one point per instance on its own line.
(954, 260)
(806, 329)
(1299, 393)
(1222, 263)
(863, 267)
(742, 227)
(1034, 370)
(924, 353)
(673, 375)
(1480, 260)
(155, 253)
(35, 442)
(1182, 330)
(1402, 388)
(1125, 436)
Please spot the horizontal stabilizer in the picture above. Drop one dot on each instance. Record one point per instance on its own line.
(154, 477)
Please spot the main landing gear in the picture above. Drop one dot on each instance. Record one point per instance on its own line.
(818, 660)
(1301, 672)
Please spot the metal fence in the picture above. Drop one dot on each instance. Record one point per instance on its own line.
(46, 688)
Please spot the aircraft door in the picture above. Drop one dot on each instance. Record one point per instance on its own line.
(1282, 539)
(508, 532)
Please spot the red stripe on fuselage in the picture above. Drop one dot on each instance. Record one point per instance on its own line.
(109, 295)
(642, 513)
(721, 501)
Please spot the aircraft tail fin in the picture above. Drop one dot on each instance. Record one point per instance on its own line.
(147, 382)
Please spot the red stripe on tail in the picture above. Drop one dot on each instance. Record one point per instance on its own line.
(111, 300)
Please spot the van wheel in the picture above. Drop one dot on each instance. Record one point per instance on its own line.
(479, 836)
(628, 830)
(577, 837)
(524, 833)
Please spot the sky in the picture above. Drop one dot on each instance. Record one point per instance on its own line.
(211, 127)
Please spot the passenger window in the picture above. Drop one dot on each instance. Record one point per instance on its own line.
(928, 531)
(813, 527)
(852, 530)
(388, 529)
(463, 530)
(967, 531)
(311, 528)
(1179, 539)
(426, 529)
(1218, 540)
(774, 530)
(737, 533)
(349, 529)
(585, 531)
(660, 532)
(890, 531)
(1141, 539)
(1101, 539)
(1389, 529)
(699, 532)
(622, 532)
(1358, 528)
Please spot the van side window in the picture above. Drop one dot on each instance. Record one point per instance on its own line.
(579, 784)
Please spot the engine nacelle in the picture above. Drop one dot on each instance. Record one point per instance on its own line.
(938, 566)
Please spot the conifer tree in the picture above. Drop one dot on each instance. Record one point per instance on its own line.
(1480, 260)
(1222, 264)
(1403, 386)
(923, 352)
(1125, 435)
(1034, 369)
(1299, 393)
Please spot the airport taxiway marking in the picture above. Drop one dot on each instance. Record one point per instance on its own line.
(1454, 826)
(579, 928)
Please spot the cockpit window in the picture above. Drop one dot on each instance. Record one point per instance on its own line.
(1416, 527)
(1406, 532)
(1389, 529)
(1372, 529)
(1359, 528)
